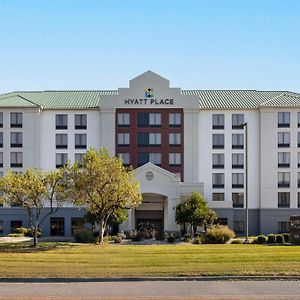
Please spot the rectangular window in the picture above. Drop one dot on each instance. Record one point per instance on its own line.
(298, 139)
(283, 179)
(218, 197)
(16, 120)
(15, 224)
(298, 198)
(16, 159)
(123, 139)
(61, 159)
(218, 160)
(298, 119)
(175, 120)
(283, 227)
(126, 158)
(283, 139)
(155, 119)
(237, 161)
(77, 224)
(81, 121)
(154, 139)
(1, 119)
(79, 156)
(123, 119)
(218, 180)
(61, 121)
(238, 200)
(142, 158)
(61, 141)
(283, 159)
(1, 227)
(237, 180)
(298, 180)
(143, 139)
(155, 158)
(218, 121)
(16, 139)
(222, 221)
(57, 226)
(174, 159)
(1, 139)
(237, 121)
(283, 199)
(174, 139)
(143, 120)
(238, 141)
(283, 119)
(80, 141)
(218, 141)
(1, 159)
(239, 227)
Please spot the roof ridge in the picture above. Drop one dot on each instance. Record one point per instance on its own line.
(36, 104)
(264, 103)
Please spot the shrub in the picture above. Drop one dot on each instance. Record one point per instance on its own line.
(20, 230)
(271, 239)
(16, 235)
(279, 239)
(171, 238)
(135, 236)
(261, 239)
(187, 238)
(29, 233)
(237, 241)
(119, 238)
(197, 240)
(218, 234)
(84, 236)
(286, 237)
(106, 239)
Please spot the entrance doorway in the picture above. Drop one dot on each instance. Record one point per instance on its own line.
(150, 224)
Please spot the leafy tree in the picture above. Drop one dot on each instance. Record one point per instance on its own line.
(34, 191)
(195, 212)
(102, 185)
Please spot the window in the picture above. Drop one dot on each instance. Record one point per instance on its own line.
(174, 159)
(1, 139)
(239, 227)
(283, 119)
(155, 119)
(175, 119)
(81, 121)
(57, 226)
(298, 180)
(16, 159)
(123, 139)
(222, 221)
(142, 158)
(284, 179)
(174, 139)
(283, 139)
(218, 141)
(218, 121)
(237, 180)
(238, 141)
(61, 159)
(79, 156)
(154, 139)
(126, 158)
(145, 157)
(238, 200)
(61, 121)
(16, 139)
(218, 161)
(283, 199)
(283, 159)
(1, 159)
(218, 197)
(283, 226)
(237, 121)
(143, 119)
(77, 224)
(218, 180)
(298, 198)
(237, 161)
(123, 119)
(15, 224)
(143, 139)
(80, 141)
(298, 119)
(298, 163)
(61, 141)
(155, 158)
(1, 119)
(1, 227)
(16, 120)
(298, 139)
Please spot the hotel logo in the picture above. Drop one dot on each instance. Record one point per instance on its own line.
(149, 93)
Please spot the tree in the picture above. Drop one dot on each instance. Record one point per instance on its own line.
(33, 190)
(102, 185)
(195, 212)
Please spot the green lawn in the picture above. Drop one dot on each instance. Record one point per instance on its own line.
(75, 260)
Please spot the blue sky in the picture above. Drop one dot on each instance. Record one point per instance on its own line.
(196, 44)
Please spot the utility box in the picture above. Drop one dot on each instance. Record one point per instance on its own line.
(295, 230)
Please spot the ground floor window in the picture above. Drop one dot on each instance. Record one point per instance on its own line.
(222, 221)
(283, 227)
(15, 224)
(77, 223)
(218, 197)
(238, 227)
(1, 227)
(57, 226)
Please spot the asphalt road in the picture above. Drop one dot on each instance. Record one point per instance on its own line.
(146, 290)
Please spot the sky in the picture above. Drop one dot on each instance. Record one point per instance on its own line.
(196, 44)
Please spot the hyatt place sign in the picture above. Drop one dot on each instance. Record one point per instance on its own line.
(152, 101)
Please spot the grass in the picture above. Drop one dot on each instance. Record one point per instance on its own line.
(76, 260)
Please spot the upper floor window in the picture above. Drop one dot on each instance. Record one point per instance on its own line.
(298, 139)
(16, 120)
(61, 141)
(149, 119)
(1, 119)
(174, 159)
(218, 197)
(298, 119)
(81, 121)
(237, 180)
(123, 119)
(237, 161)
(298, 163)
(284, 199)
(155, 119)
(80, 141)
(16, 139)
(298, 180)
(79, 157)
(218, 180)
(16, 159)
(61, 159)
(125, 158)
(155, 158)
(283, 159)
(218, 141)
(238, 200)
(283, 139)
(1, 159)
(123, 139)
(238, 141)
(145, 157)
(218, 160)
(237, 121)
(174, 139)
(61, 121)
(284, 179)
(174, 119)
(283, 119)
(218, 121)
(154, 139)
(1, 139)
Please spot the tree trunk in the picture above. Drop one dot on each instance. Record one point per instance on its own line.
(35, 236)
(101, 232)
